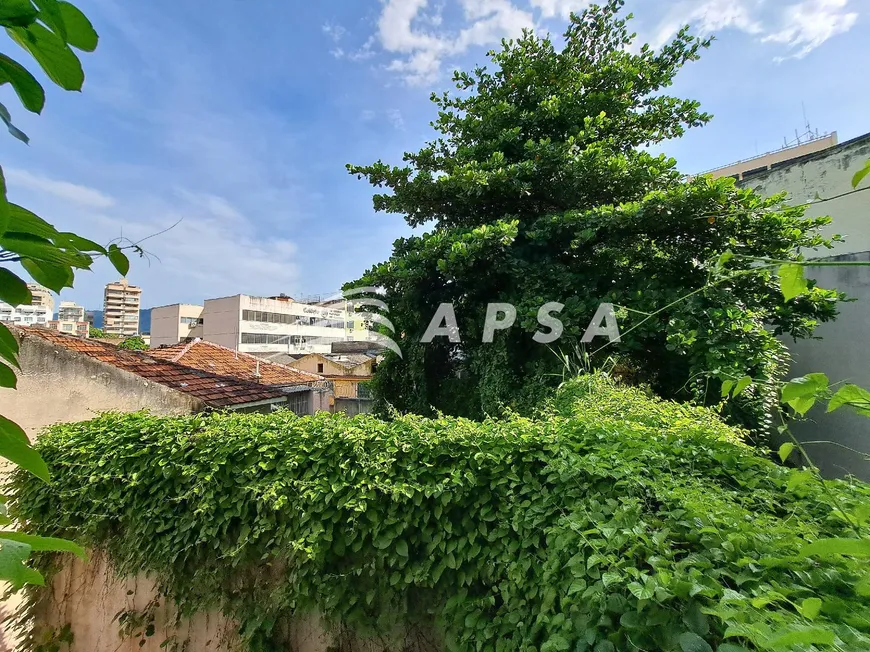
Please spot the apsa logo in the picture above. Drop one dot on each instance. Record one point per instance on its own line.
(353, 298)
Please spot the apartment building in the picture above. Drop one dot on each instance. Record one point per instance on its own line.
(79, 328)
(70, 311)
(31, 315)
(121, 308)
(179, 322)
(42, 298)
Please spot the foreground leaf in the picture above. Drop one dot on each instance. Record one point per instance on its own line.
(860, 174)
(849, 547)
(15, 447)
(51, 52)
(119, 260)
(45, 544)
(13, 554)
(80, 32)
(15, 131)
(13, 290)
(17, 13)
(853, 396)
(29, 91)
(792, 281)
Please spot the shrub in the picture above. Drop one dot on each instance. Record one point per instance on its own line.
(613, 522)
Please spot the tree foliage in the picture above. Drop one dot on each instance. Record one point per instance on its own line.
(614, 522)
(541, 187)
(135, 343)
(47, 30)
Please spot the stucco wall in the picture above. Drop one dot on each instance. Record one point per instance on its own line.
(56, 385)
(842, 353)
(828, 174)
(90, 596)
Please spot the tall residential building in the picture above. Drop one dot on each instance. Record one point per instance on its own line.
(70, 311)
(121, 308)
(179, 322)
(41, 297)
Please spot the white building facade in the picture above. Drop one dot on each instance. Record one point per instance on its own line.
(179, 322)
(277, 325)
(25, 315)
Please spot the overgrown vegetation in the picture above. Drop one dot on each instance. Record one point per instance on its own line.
(615, 521)
(135, 343)
(540, 187)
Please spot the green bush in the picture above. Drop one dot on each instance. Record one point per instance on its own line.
(615, 521)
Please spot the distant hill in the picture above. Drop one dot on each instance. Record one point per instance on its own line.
(144, 320)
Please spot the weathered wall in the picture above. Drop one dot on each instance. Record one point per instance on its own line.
(56, 385)
(90, 597)
(842, 353)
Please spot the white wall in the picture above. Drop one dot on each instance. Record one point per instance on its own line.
(842, 353)
(166, 325)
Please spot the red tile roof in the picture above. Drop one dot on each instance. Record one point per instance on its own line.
(227, 362)
(213, 389)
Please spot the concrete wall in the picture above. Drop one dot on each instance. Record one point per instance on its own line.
(221, 319)
(770, 159)
(167, 328)
(842, 353)
(56, 385)
(90, 596)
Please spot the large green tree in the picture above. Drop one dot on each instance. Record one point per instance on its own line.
(540, 187)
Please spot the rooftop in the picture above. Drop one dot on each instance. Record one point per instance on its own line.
(228, 362)
(214, 390)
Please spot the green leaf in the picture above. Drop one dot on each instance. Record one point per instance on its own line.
(810, 608)
(53, 276)
(731, 647)
(49, 13)
(119, 260)
(791, 280)
(37, 248)
(46, 544)
(853, 396)
(726, 388)
(13, 290)
(642, 591)
(15, 447)
(848, 547)
(4, 204)
(801, 393)
(51, 52)
(785, 450)
(71, 240)
(787, 638)
(7, 377)
(12, 569)
(79, 31)
(691, 642)
(17, 13)
(556, 644)
(8, 346)
(860, 174)
(22, 220)
(402, 548)
(15, 131)
(799, 478)
(29, 91)
(742, 384)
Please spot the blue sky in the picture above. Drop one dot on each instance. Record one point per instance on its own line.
(239, 117)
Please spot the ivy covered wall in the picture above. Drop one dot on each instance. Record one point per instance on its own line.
(613, 521)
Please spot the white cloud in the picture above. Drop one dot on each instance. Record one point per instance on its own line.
(81, 195)
(403, 29)
(335, 32)
(801, 26)
(396, 119)
(562, 8)
(809, 24)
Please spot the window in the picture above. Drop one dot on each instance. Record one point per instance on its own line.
(296, 320)
(264, 338)
(67, 327)
(320, 367)
(191, 321)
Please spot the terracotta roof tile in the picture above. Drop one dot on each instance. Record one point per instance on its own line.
(227, 362)
(215, 390)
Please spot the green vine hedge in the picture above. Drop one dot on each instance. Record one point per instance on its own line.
(615, 521)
